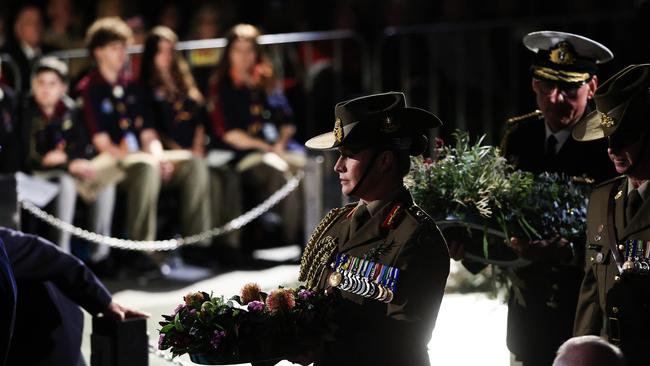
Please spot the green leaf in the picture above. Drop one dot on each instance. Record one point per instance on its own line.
(167, 328)
(177, 323)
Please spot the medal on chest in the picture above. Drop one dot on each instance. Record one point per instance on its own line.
(637, 256)
(364, 277)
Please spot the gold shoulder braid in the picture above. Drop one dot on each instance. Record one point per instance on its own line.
(536, 113)
(317, 252)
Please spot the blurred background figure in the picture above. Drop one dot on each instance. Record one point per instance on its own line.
(55, 147)
(178, 113)
(9, 155)
(588, 351)
(64, 28)
(206, 24)
(251, 114)
(25, 42)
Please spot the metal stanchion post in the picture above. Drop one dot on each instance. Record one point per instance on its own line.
(119, 343)
(313, 194)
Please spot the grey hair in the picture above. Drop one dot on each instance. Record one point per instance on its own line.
(606, 352)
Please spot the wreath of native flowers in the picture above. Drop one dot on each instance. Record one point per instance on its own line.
(250, 326)
(473, 182)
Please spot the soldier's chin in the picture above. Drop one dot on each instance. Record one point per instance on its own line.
(621, 167)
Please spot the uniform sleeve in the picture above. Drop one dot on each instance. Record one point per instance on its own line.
(425, 268)
(588, 318)
(81, 146)
(217, 126)
(231, 108)
(91, 109)
(35, 258)
(144, 106)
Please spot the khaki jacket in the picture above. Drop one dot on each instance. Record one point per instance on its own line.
(371, 331)
(610, 304)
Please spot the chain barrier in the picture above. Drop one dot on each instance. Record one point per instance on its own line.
(165, 355)
(169, 244)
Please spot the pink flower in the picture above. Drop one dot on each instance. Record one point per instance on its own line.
(439, 143)
(280, 299)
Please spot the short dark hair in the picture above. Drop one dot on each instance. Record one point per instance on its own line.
(106, 30)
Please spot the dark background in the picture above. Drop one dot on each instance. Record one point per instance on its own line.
(462, 59)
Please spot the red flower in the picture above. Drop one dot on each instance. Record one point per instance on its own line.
(280, 299)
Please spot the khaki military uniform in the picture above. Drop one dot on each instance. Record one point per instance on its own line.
(370, 331)
(612, 304)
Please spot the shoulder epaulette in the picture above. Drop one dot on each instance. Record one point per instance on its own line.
(610, 181)
(536, 114)
(419, 214)
(315, 256)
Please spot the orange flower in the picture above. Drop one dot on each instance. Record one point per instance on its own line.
(250, 292)
(192, 297)
(280, 299)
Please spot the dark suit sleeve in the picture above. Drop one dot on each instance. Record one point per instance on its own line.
(7, 303)
(34, 258)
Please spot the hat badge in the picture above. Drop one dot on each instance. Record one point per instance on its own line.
(562, 54)
(338, 130)
(606, 121)
(389, 126)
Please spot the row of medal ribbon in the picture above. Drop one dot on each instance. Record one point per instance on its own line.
(364, 277)
(637, 254)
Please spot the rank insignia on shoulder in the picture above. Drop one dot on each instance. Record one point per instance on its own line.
(363, 277)
(419, 214)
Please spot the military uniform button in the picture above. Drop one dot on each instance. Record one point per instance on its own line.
(617, 278)
(599, 257)
(591, 259)
(621, 247)
(615, 310)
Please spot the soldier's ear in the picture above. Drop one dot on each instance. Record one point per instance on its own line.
(386, 161)
(593, 85)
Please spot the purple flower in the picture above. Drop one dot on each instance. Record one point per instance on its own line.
(192, 312)
(305, 294)
(161, 341)
(217, 336)
(179, 308)
(256, 306)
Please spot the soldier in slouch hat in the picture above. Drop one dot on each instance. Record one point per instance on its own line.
(382, 258)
